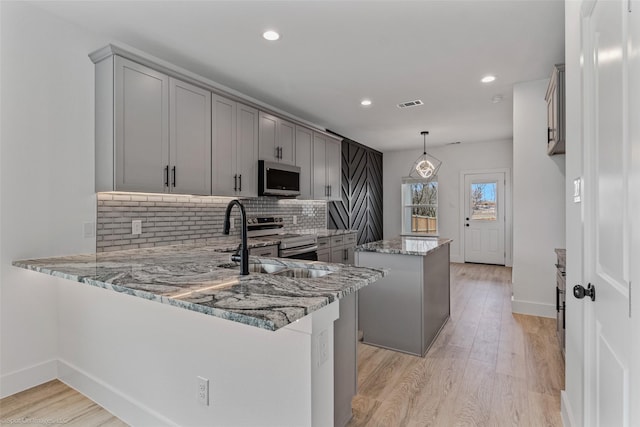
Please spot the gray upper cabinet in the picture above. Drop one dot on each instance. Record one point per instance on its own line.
(556, 112)
(320, 189)
(153, 132)
(277, 139)
(334, 168)
(304, 159)
(141, 128)
(235, 148)
(190, 140)
(246, 154)
(327, 168)
(224, 175)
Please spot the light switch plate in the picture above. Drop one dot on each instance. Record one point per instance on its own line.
(88, 229)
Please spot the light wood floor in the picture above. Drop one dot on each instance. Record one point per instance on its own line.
(488, 367)
(54, 404)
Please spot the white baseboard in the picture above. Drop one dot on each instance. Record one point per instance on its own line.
(533, 308)
(15, 382)
(119, 404)
(568, 419)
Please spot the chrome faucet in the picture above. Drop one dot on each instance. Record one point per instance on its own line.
(244, 251)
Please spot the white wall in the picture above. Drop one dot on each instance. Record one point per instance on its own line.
(455, 158)
(572, 403)
(538, 203)
(46, 178)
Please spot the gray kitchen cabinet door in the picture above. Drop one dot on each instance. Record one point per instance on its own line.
(350, 255)
(334, 169)
(320, 190)
(337, 254)
(246, 153)
(268, 139)
(190, 140)
(224, 181)
(324, 255)
(287, 141)
(304, 160)
(142, 128)
(277, 139)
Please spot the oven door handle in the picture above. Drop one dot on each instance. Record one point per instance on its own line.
(285, 253)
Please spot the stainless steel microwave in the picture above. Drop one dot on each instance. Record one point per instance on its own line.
(277, 179)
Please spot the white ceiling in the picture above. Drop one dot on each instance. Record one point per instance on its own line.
(334, 53)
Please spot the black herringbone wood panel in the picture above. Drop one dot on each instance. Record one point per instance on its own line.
(361, 205)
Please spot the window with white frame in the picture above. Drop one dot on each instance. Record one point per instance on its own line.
(419, 206)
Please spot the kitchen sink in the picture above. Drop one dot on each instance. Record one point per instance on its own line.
(303, 273)
(281, 270)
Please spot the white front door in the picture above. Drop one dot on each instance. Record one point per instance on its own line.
(484, 218)
(607, 214)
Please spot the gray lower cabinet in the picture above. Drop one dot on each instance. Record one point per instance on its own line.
(340, 249)
(153, 132)
(265, 251)
(415, 297)
(345, 373)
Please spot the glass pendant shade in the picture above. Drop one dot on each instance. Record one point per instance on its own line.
(426, 166)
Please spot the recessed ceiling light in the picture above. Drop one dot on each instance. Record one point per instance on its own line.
(488, 79)
(271, 35)
(365, 102)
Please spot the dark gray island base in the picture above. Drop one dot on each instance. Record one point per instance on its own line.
(405, 310)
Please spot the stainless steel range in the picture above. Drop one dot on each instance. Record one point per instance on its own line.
(298, 246)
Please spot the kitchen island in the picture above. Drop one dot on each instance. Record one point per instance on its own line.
(264, 341)
(406, 310)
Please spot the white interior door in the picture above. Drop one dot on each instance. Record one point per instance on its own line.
(607, 225)
(484, 218)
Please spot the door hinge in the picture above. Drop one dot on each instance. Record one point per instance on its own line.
(629, 5)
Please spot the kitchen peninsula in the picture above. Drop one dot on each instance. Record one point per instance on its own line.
(406, 310)
(265, 342)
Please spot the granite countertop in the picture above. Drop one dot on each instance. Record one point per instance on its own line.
(330, 233)
(194, 277)
(405, 245)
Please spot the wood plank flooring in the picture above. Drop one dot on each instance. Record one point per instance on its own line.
(488, 367)
(54, 403)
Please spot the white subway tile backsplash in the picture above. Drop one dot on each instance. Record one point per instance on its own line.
(177, 219)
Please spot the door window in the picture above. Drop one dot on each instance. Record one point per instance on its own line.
(483, 201)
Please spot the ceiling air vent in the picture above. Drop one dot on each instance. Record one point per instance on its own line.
(410, 104)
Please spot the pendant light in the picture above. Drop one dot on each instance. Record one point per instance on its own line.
(426, 166)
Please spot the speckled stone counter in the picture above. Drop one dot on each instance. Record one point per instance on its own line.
(201, 278)
(405, 245)
(330, 233)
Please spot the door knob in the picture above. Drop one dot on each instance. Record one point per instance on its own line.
(580, 292)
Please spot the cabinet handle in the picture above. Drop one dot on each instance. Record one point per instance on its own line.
(280, 153)
(277, 152)
(235, 182)
(329, 191)
(166, 176)
(549, 135)
(174, 176)
(346, 255)
(240, 180)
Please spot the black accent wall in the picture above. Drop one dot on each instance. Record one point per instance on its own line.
(361, 205)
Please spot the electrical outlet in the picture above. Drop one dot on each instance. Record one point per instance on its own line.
(136, 227)
(203, 391)
(295, 219)
(232, 223)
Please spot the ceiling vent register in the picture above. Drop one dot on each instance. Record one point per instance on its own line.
(410, 103)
